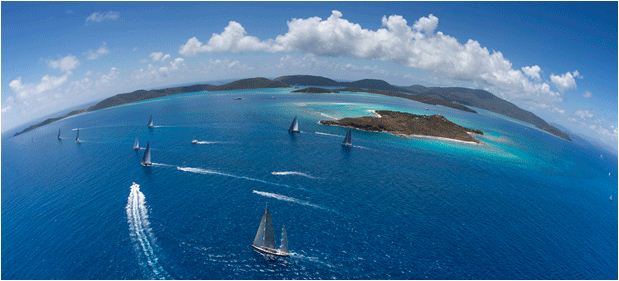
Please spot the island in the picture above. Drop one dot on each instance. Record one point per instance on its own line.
(458, 98)
(316, 90)
(409, 125)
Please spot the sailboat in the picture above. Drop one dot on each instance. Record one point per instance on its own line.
(194, 141)
(151, 124)
(136, 144)
(58, 137)
(294, 127)
(348, 139)
(610, 198)
(77, 136)
(264, 242)
(146, 159)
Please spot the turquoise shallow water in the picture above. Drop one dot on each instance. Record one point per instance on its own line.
(523, 204)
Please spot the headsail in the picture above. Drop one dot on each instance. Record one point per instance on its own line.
(348, 139)
(294, 127)
(265, 236)
(146, 159)
(283, 247)
(151, 124)
(136, 144)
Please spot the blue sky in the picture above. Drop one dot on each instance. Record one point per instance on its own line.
(58, 55)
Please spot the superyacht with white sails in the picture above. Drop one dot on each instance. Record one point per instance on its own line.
(264, 242)
(146, 159)
(294, 127)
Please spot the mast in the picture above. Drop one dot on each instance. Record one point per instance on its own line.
(348, 139)
(294, 127)
(265, 236)
(146, 159)
(283, 247)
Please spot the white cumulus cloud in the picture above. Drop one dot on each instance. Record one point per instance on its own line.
(103, 16)
(66, 63)
(418, 45)
(101, 51)
(533, 72)
(159, 56)
(566, 81)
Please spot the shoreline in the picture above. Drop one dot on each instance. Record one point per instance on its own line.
(412, 135)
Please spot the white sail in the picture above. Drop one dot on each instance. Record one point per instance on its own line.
(146, 159)
(348, 139)
(265, 236)
(294, 127)
(151, 124)
(283, 247)
(136, 144)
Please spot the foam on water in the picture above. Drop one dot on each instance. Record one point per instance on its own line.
(287, 199)
(327, 134)
(213, 172)
(141, 233)
(292, 173)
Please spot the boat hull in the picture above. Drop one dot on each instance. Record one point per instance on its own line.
(146, 164)
(268, 251)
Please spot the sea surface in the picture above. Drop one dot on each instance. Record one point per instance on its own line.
(522, 205)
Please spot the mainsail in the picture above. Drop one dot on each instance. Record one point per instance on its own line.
(294, 127)
(146, 159)
(284, 243)
(136, 144)
(348, 139)
(151, 124)
(265, 236)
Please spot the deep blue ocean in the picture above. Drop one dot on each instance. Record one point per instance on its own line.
(523, 205)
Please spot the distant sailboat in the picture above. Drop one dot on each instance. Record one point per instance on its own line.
(264, 242)
(146, 159)
(136, 144)
(151, 124)
(348, 139)
(294, 127)
(194, 141)
(58, 137)
(77, 136)
(610, 198)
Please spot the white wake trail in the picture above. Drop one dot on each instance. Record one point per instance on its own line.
(292, 173)
(327, 134)
(287, 199)
(213, 172)
(141, 233)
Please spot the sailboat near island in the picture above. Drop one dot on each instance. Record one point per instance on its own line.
(146, 159)
(294, 126)
(77, 136)
(136, 144)
(348, 139)
(151, 124)
(264, 242)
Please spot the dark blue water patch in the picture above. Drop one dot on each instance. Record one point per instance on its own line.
(525, 205)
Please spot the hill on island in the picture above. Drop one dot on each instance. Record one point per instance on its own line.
(454, 97)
